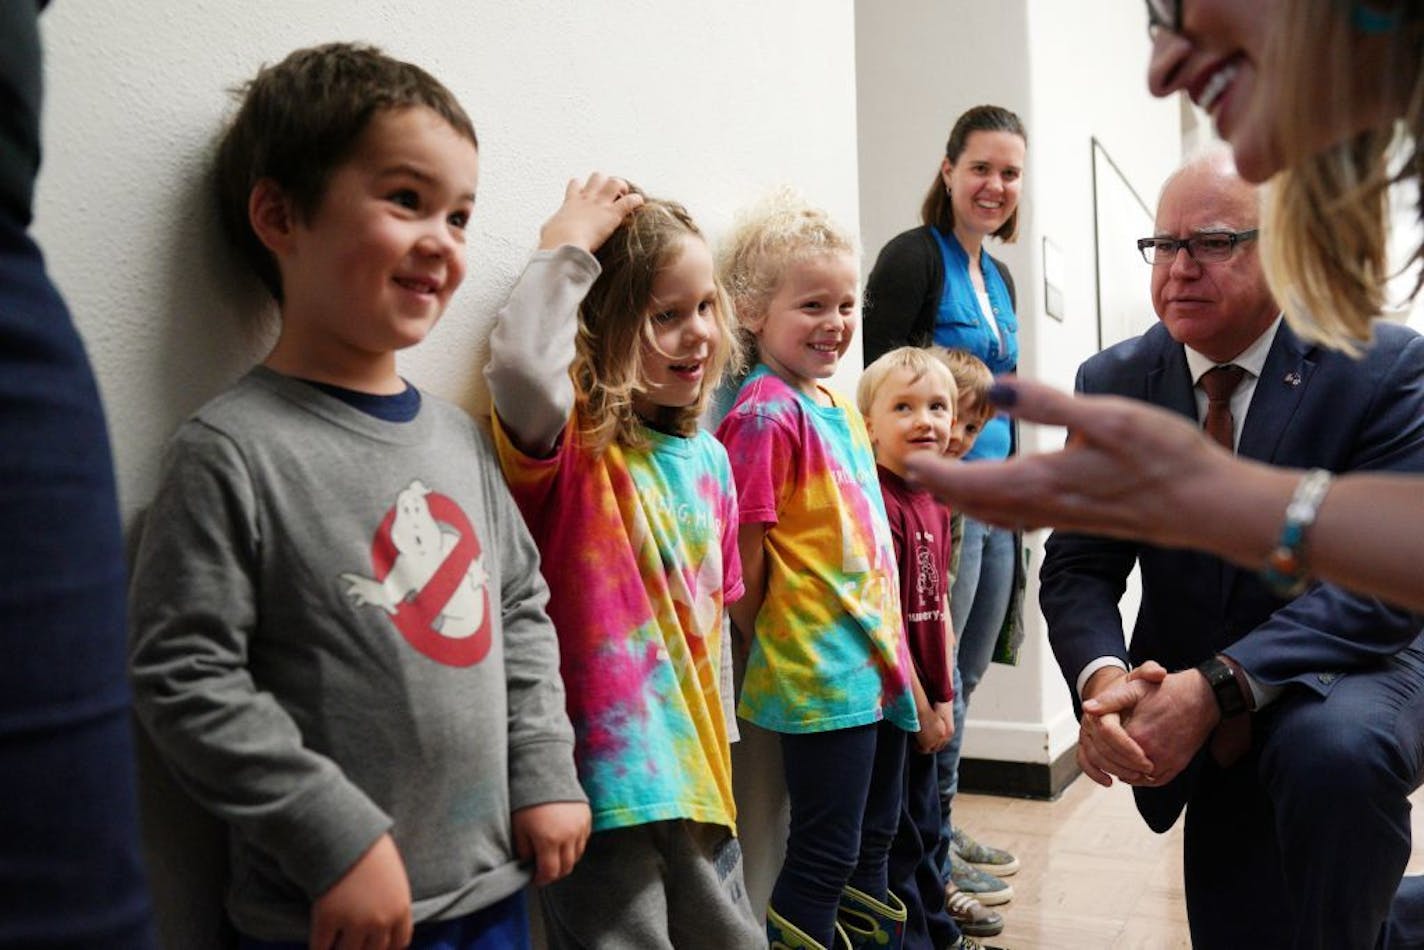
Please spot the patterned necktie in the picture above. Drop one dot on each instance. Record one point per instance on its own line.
(1219, 383)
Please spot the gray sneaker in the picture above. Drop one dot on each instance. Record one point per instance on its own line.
(969, 943)
(986, 888)
(986, 857)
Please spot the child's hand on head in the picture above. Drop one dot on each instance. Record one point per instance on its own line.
(553, 836)
(590, 212)
(368, 907)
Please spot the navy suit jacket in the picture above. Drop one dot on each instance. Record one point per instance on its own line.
(1312, 408)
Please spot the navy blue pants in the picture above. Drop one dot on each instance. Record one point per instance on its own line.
(70, 873)
(501, 926)
(844, 789)
(914, 858)
(1303, 843)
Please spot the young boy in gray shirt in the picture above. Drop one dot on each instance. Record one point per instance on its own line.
(339, 638)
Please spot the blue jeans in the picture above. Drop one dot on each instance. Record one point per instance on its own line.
(977, 605)
(503, 925)
(980, 598)
(914, 858)
(844, 788)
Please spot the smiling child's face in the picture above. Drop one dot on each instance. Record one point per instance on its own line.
(910, 415)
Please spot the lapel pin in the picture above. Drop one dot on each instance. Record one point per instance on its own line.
(1292, 379)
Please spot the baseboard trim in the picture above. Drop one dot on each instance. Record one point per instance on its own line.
(1019, 779)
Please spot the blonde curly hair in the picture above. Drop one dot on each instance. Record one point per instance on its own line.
(766, 239)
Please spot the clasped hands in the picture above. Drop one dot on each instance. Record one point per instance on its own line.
(1143, 727)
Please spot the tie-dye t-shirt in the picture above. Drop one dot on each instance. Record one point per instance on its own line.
(829, 651)
(640, 551)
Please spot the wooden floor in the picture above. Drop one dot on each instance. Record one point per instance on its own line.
(1092, 874)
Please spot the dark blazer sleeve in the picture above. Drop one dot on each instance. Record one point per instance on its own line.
(1327, 630)
(1082, 579)
(902, 294)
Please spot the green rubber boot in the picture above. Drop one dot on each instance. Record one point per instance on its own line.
(869, 923)
(782, 934)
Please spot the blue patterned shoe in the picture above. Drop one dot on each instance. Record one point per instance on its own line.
(869, 924)
(986, 888)
(996, 861)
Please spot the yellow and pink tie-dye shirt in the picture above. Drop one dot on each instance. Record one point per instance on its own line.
(639, 549)
(829, 651)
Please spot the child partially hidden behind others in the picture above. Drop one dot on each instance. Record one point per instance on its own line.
(339, 638)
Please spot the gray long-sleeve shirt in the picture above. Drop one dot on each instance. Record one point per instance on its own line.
(339, 631)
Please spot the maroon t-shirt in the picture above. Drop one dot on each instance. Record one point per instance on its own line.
(920, 527)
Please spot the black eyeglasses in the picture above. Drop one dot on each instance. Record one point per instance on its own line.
(1204, 248)
(1164, 15)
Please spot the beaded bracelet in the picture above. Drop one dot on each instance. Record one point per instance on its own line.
(1285, 571)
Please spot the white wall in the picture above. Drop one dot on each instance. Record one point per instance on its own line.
(919, 64)
(1089, 66)
(1071, 71)
(709, 104)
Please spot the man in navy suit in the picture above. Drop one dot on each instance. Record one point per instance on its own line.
(1290, 729)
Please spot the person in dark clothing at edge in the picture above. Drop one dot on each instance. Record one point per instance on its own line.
(70, 872)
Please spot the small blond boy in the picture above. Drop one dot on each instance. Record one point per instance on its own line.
(908, 398)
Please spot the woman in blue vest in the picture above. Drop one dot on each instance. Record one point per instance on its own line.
(937, 284)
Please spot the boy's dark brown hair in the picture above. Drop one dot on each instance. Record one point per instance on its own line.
(300, 119)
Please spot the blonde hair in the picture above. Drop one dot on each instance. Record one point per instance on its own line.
(615, 323)
(766, 240)
(971, 376)
(1325, 226)
(914, 359)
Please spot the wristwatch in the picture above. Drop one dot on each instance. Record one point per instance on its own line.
(1230, 697)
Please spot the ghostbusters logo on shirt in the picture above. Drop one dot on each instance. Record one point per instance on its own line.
(429, 577)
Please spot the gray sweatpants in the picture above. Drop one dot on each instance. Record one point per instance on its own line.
(664, 885)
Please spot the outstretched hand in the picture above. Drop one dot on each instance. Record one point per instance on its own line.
(1115, 476)
(591, 211)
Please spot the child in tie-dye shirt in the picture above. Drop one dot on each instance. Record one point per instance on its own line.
(602, 360)
(828, 669)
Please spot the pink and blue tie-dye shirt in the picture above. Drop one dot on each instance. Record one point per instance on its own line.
(639, 548)
(829, 651)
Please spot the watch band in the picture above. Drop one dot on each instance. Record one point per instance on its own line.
(1229, 697)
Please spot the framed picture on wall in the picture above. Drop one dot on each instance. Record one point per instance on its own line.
(1120, 217)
